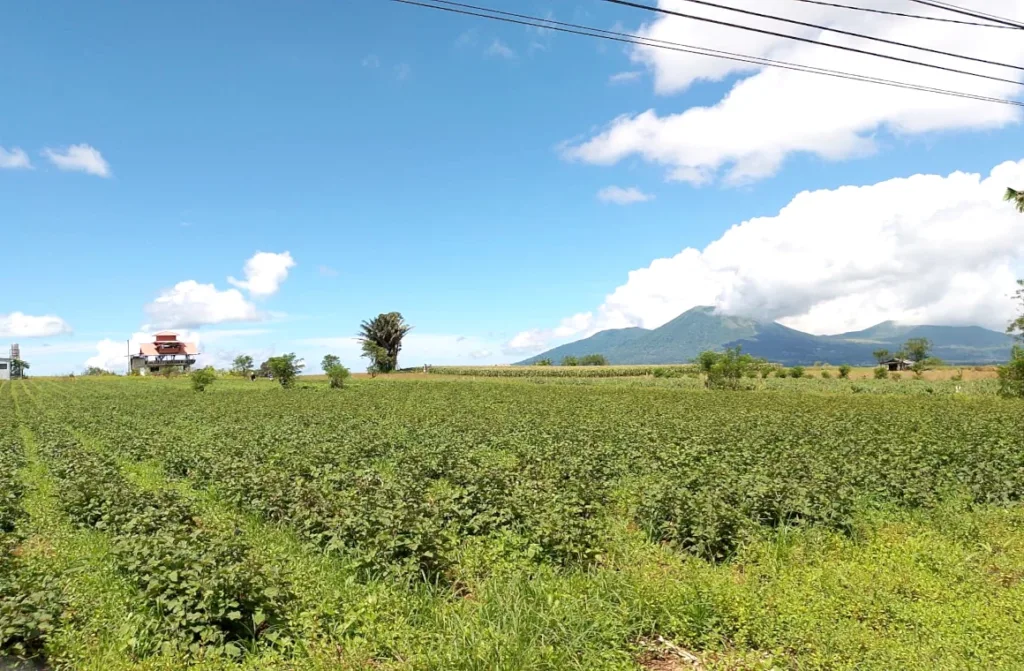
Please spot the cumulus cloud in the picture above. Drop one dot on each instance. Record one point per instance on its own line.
(79, 158)
(923, 249)
(770, 114)
(264, 273)
(619, 196)
(500, 49)
(14, 158)
(21, 325)
(216, 347)
(190, 304)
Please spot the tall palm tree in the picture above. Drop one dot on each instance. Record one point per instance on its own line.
(382, 339)
(1016, 197)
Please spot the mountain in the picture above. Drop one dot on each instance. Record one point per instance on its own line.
(701, 328)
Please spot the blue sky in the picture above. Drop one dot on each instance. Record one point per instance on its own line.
(443, 166)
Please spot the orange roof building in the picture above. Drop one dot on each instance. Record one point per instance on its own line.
(165, 354)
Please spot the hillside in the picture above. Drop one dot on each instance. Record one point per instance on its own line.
(701, 328)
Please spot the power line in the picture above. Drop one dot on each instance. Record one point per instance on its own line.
(848, 33)
(762, 31)
(956, 9)
(628, 38)
(906, 16)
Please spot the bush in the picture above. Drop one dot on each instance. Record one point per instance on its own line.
(826, 375)
(881, 373)
(730, 368)
(896, 377)
(543, 362)
(782, 373)
(337, 374)
(203, 378)
(570, 361)
(796, 371)
(594, 360)
(1011, 376)
(844, 371)
(285, 368)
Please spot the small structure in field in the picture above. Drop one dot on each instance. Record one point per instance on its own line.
(895, 364)
(5, 368)
(166, 354)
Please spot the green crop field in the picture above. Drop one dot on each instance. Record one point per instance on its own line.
(529, 524)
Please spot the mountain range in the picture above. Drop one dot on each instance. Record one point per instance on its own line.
(702, 328)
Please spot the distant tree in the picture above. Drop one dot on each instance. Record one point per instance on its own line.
(96, 370)
(542, 362)
(378, 357)
(844, 371)
(1016, 197)
(881, 373)
(730, 367)
(706, 360)
(570, 361)
(917, 349)
(881, 355)
(337, 374)
(796, 371)
(385, 332)
(203, 378)
(285, 368)
(593, 360)
(328, 362)
(264, 369)
(242, 364)
(18, 368)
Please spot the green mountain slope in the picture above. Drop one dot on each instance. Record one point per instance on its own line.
(700, 328)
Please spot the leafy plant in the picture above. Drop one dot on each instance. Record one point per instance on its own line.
(570, 361)
(242, 364)
(1011, 376)
(381, 338)
(844, 371)
(337, 374)
(881, 373)
(796, 371)
(285, 368)
(203, 378)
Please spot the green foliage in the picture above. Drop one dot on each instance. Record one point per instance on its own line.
(782, 373)
(542, 362)
(825, 374)
(570, 361)
(1016, 327)
(729, 368)
(382, 340)
(18, 368)
(203, 378)
(96, 371)
(1015, 197)
(242, 364)
(917, 349)
(593, 360)
(844, 371)
(337, 374)
(881, 355)
(881, 373)
(1011, 376)
(796, 371)
(706, 360)
(285, 368)
(328, 362)
(895, 376)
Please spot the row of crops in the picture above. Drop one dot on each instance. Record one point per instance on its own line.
(396, 479)
(567, 371)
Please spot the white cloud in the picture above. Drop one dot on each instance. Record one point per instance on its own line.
(79, 158)
(620, 196)
(371, 61)
(625, 77)
(417, 349)
(772, 113)
(21, 325)
(14, 158)
(924, 249)
(190, 304)
(264, 273)
(500, 49)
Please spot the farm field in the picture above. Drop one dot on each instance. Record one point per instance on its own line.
(483, 524)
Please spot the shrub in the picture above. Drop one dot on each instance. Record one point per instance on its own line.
(796, 371)
(896, 376)
(570, 361)
(844, 371)
(203, 378)
(593, 360)
(826, 375)
(1011, 376)
(881, 373)
(337, 374)
(782, 373)
(543, 362)
(285, 368)
(765, 372)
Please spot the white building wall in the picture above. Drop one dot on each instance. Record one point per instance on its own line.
(5, 369)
